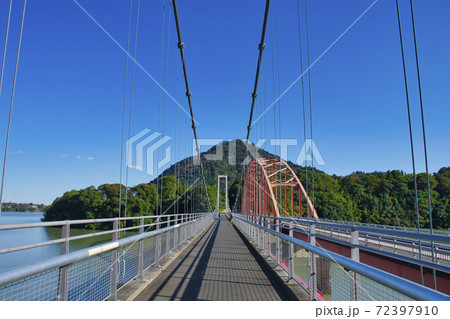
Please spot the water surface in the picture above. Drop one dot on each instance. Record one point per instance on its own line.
(17, 237)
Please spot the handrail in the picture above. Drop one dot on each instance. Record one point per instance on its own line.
(18, 273)
(369, 225)
(406, 287)
(364, 233)
(84, 221)
(445, 249)
(408, 234)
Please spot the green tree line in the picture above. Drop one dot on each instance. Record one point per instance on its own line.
(379, 197)
(139, 200)
(382, 197)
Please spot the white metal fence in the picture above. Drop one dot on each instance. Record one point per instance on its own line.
(326, 275)
(96, 273)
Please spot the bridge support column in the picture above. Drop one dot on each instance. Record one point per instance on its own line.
(312, 265)
(114, 261)
(356, 292)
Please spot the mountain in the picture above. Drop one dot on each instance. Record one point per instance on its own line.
(225, 158)
(230, 163)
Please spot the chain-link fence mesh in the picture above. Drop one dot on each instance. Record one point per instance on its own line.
(301, 266)
(41, 287)
(284, 254)
(149, 252)
(128, 263)
(272, 245)
(333, 282)
(90, 278)
(370, 290)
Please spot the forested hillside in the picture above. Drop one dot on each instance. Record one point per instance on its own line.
(378, 197)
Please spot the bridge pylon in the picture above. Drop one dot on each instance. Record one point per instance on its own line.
(227, 206)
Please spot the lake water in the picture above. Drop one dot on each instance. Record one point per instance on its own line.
(17, 237)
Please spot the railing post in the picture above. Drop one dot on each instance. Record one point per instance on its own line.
(356, 293)
(249, 226)
(114, 262)
(167, 235)
(141, 251)
(158, 242)
(175, 234)
(63, 271)
(291, 252)
(278, 250)
(312, 265)
(252, 232)
(257, 236)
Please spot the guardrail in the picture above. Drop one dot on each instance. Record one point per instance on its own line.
(96, 273)
(429, 250)
(326, 275)
(378, 226)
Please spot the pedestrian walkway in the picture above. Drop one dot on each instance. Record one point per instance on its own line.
(220, 265)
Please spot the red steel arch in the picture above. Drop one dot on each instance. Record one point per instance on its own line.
(270, 185)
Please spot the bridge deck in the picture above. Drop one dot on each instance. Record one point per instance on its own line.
(220, 266)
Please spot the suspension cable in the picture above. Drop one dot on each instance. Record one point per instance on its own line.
(261, 49)
(175, 207)
(272, 47)
(123, 112)
(424, 138)
(159, 109)
(410, 132)
(310, 98)
(279, 189)
(188, 94)
(165, 105)
(12, 102)
(131, 100)
(303, 91)
(254, 94)
(4, 49)
(1, 81)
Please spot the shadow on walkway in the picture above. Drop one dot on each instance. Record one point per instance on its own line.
(220, 265)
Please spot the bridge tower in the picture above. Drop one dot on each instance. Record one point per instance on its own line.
(227, 207)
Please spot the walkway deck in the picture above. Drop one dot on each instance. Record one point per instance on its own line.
(219, 266)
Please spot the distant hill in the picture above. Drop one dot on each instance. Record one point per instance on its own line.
(185, 170)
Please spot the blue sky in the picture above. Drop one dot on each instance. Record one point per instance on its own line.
(67, 117)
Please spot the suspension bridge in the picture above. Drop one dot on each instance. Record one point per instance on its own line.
(270, 244)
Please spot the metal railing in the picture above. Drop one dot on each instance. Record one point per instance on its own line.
(326, 275)
(392, 242)
(378, 226)
(96, 273)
